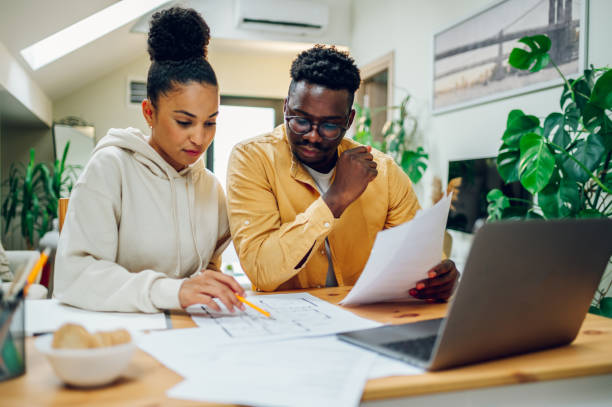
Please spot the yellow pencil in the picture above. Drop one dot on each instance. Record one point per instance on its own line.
(255, 307)
(44, 256)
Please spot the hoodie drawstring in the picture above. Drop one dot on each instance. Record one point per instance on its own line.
(176, 223)
(190, 200)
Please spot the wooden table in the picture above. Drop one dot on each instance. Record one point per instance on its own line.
(146, 380)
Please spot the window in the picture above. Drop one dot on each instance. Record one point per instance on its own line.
(376, 92)
(239, 119)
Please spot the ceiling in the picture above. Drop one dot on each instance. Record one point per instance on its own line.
(24, 22)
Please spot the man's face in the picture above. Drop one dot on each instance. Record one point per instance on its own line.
(319, 105)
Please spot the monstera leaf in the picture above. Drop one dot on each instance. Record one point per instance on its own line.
(497, 202)
(560, 198)
(554, 129)
(596, 113)
(507, 162)
(517, 125)
(414, 163)
(536, 164)
(588, 152)
(536, 58)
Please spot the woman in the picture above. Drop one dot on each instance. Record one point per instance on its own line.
(147, 223)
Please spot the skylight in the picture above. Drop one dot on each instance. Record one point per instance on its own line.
(87, 30)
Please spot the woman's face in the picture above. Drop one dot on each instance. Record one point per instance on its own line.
(183, 122)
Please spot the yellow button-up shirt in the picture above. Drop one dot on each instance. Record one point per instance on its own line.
(277, 215)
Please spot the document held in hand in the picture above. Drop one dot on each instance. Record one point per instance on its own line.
(401, 256)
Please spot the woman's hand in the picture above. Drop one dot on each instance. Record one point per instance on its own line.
(440, 284)
(209, 284)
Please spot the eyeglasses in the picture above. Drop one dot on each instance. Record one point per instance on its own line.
(328, 130)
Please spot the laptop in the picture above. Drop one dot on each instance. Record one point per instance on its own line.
(527, 286)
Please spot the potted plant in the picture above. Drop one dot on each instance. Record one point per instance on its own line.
(398, 138)
(564, 161)
(33, 194)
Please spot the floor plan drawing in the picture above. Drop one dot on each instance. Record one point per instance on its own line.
(292, 315)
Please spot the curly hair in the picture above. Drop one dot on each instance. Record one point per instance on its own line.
(326, 66)
(177, 45)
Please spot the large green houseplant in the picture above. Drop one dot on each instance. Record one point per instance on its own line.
(564, 161)
(398, 138)
(32, 195)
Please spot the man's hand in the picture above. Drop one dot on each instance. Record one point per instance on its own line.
(440, 284)
(209, 284)
(355, 169)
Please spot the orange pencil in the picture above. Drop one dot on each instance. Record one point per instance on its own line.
(250, 304)
(44, 256)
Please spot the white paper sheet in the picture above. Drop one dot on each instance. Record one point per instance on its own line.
(290, 373)
(293, 315)
(401, 257)
(191, 356)
(48, 315)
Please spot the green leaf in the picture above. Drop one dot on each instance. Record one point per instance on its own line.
(560, 198)
(589, 153)
(607, 141)
(590, 213)
(582, 92)
(554, 129)
(414, 163)
(516, 212)
(581, 89)
(594, 310)
(497, 202)
(517, 125)
(572, 116)
(507, 162)
(536, 58)
(569, 194)
(596, 120)
(531, 214)
(596, 112)
(29, 227)
(602, 91)
(608, 180)
(536, 164)
(549, 199)
(606, 306)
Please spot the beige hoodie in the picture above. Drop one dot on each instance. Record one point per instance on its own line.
(136, 228)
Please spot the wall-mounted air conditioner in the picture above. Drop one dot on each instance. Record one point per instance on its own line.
(286, 16)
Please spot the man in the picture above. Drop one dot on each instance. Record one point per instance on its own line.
(305, 203)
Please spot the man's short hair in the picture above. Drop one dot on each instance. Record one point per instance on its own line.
(328, 67)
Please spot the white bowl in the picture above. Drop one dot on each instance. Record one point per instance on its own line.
(87, 367)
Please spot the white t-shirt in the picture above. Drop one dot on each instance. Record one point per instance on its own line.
(323, 182)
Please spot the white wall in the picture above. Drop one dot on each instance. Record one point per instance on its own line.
(103, 102)
(15, 79)
(219, 14)
(407, 27)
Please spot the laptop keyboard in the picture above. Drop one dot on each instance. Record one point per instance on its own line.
(419, 348)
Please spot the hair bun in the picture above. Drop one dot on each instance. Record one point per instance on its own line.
(177, 34)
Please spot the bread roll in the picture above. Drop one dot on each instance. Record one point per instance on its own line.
(74, 336)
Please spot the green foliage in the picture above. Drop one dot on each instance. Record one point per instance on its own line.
(398, 138)
(564, 162)
(536, 58)
(33, 193)
(536, 163)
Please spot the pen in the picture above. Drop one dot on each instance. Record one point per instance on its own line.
(250, 304)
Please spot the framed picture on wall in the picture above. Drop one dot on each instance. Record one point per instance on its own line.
(471, 57)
